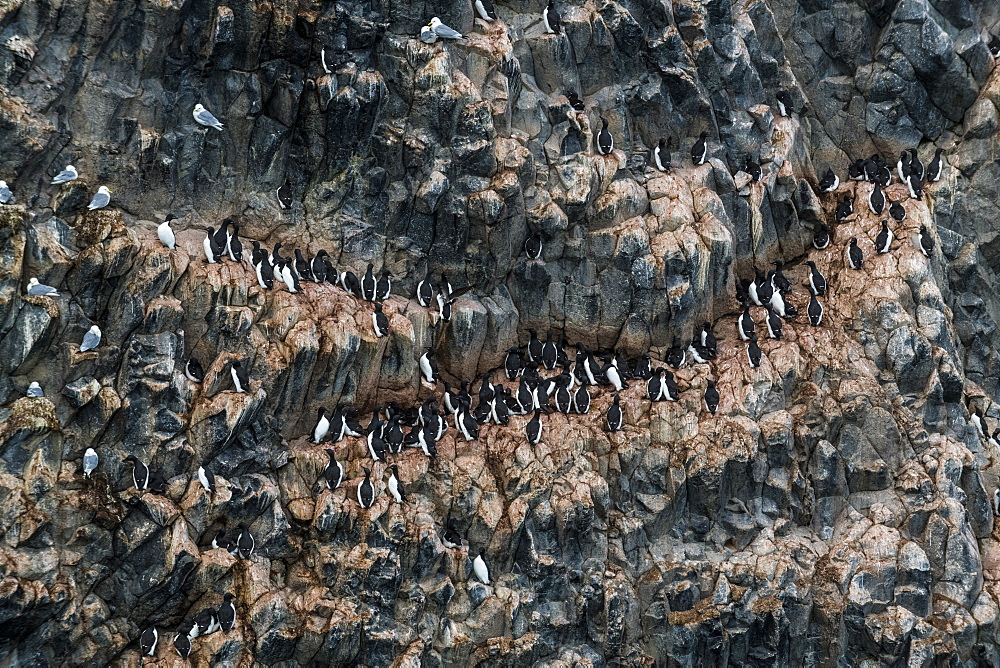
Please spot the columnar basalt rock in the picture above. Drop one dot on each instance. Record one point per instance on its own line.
(839, 507)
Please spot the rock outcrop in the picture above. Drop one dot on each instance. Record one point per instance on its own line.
(837, 510)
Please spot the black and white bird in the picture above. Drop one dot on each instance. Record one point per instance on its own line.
(91, 339)
(533, 246)
(897, 211)
(6, 196)
(926, 242)
(380, 322)
(533, 429)
(148, 640)
(903, 166)
(383, 286)
(439, 30)
(140, 472)
(227, 613)
(752, 167)
(754, 354)
(101, 199)
(845, 208)
(425, 291)
(220, 541)
(207, 479)
(203, 116)
(706, 336)
(485, 10)
(817, 281)
(814, 310)
(284, 195)
(368, 284)
(661, 156)
(581, 400)
(676, 355)
(207, 622)
(40, 289)
(66, 175)
(876, 200)
(575, 103)
(550, 16)
(605, 142)
(914, 186)
(784, 103)
(193, 370)
(333, 474)
(936, 167)
(711, 398)
(883, 242)
(916, 167)
(774, 324)
(245, 542)
(366, 491)
(429, 367)
(241, 379)
(700, 149)
(550, 352)
(182, 641)
(90, 462)
(821, 239)
(213, 249)
(855, 258)
(480, 569)
(615, 418)
(830, 182)
(322, 427)
(317, 267)
(746, 326)
(395, 486)
(166, 233)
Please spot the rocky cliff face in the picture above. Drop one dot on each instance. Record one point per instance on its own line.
(837, 510)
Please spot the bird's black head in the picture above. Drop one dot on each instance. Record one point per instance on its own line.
(703, 135)
(330, 452)
(131, 459)
(228, 597)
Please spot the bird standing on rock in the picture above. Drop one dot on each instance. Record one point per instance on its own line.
(485, 10)
(830, 182)
(203, 116)
(855, 258)
(101, 199)
(700, 149)
(550, 16)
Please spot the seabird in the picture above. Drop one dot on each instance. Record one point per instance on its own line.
(675, 356)
(829, 182)
(213, 250)
(318, 267)
(533, 429)
(40, 289)
(425, 291)
(855, 258)
(821, 239)
(903, 166)
(220, 541)
(936, 167)
(451, 539)
(778, 278)
(322, 427)
(193, 370)
(101, 199)
(182, 641)
(34, 390)
(700, 149)
(611, 372)
(916, 167)
(290, 279)
(207, 622)
(333, 474)
(485, 10)
(284, 195)
(711, 398)
(815, 310)
(91, 339)
(614, 416)
(752, 168)
(534, 347)
(605, 142)
(166, 234)
(581, 400)
(707, 337)
(550, 16)
(844, 208)
(884, 239)
(914, 186)
(926, 241)
(443, 31)
(203, 116)
(380, 322)
(533, 246)
(897, 211)
(207, 479)
(366, 491)
(784, 103)
(480, 569)
(245, 543)
(6, 195)
(661, 156)
(856, 171)
(383, 286)
(754, 354)
(550, 352)
(227, 613)
(90, 461)
(147, 641)
(395, 486)
(817, 281)
(745, 324)
(66, 175)
(774, 324)
(655, 386)
(241, 379)
(575, 103)
(140, 472)
(641, 369)
(429, 368)
(368, 284)
(512, 363)
(876, 200)
(427, 35)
